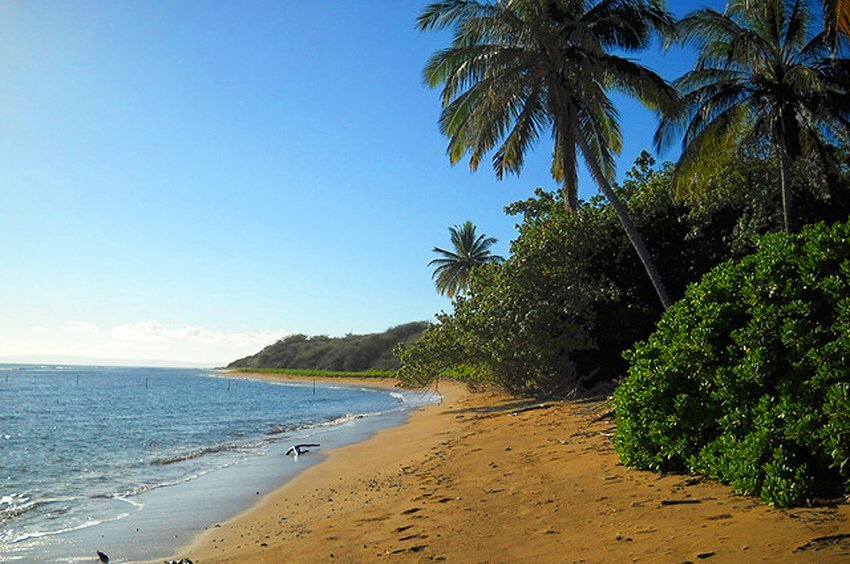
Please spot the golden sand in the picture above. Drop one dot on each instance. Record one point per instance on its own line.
(479, 479)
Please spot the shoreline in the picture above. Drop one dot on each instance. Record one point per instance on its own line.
(480, 477)
(204, 548)
(159, 510)
(375, 382)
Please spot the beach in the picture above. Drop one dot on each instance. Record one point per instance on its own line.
(486, 477)
(161, 454)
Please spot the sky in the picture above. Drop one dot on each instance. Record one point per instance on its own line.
(191, 181)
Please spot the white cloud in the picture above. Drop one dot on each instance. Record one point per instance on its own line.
(80, 327)
(154, 331)
(141, 342)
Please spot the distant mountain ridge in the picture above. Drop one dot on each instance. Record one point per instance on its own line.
(373, 351)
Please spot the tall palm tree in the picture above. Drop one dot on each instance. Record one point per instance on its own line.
(760, 80)
(454, 267)
(519, 69)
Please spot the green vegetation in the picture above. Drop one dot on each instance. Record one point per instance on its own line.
(352, 353)
(319, 373)
(470, 251)
(761, 82)
(747, 379)
(557, 313)
(519, 70)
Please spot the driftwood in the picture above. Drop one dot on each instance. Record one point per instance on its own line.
(532, 408)
(680, 501)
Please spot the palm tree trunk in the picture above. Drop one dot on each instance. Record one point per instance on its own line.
(626, 222)
(785, 180)
(570, 184)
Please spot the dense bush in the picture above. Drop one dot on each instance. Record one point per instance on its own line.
(572, 295)
(349, 353)
(747, 379)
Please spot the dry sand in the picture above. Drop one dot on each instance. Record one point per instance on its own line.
(476, 479)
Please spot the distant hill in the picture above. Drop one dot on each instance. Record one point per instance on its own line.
(350, 353)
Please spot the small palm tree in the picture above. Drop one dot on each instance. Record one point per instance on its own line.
(521, 69)
(760, 81)
(453, 267)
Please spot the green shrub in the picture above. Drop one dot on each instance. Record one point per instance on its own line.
(747, 379)
(572, 295)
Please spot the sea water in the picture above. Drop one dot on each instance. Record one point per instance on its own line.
(138, 460)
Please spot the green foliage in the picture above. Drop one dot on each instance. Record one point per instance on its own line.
(556, 315)
(352, 353)
(545, 321)
(747, 379)
(519, 71)
(453, 268)
(762, 81)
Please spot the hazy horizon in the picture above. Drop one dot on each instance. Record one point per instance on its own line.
(193, 181)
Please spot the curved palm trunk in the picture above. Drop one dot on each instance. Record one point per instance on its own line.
(626, 222)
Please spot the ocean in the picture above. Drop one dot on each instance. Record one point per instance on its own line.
(136, 461)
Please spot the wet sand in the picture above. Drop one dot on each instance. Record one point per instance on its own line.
(481, 477)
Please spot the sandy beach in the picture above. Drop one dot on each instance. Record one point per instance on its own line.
(485, 477)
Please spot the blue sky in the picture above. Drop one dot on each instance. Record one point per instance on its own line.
(191, 180)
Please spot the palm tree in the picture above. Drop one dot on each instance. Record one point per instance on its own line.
(519, 69)
(454, 267)
(760, 81)
(836, 18)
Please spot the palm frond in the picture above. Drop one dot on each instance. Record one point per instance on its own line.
(836, 20)
(453, 268)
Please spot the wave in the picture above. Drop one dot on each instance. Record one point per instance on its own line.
(283, 429)
(14, 505)
(272, 435)
(197, 453)
(87, 524)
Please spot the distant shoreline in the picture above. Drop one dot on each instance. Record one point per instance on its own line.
(345, 378)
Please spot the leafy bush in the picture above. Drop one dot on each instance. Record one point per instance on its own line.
(572, 295)
(544, 321)
(747, 379)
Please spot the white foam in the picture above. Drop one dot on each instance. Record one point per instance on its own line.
(86, 525)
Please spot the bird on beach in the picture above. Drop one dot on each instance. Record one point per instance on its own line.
(295, 450)
(103, 557)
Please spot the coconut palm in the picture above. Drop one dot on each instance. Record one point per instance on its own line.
(521, 69)
(760, 80)
(453, 267)
(836, 18)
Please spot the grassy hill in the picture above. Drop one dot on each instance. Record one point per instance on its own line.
(352, 353)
